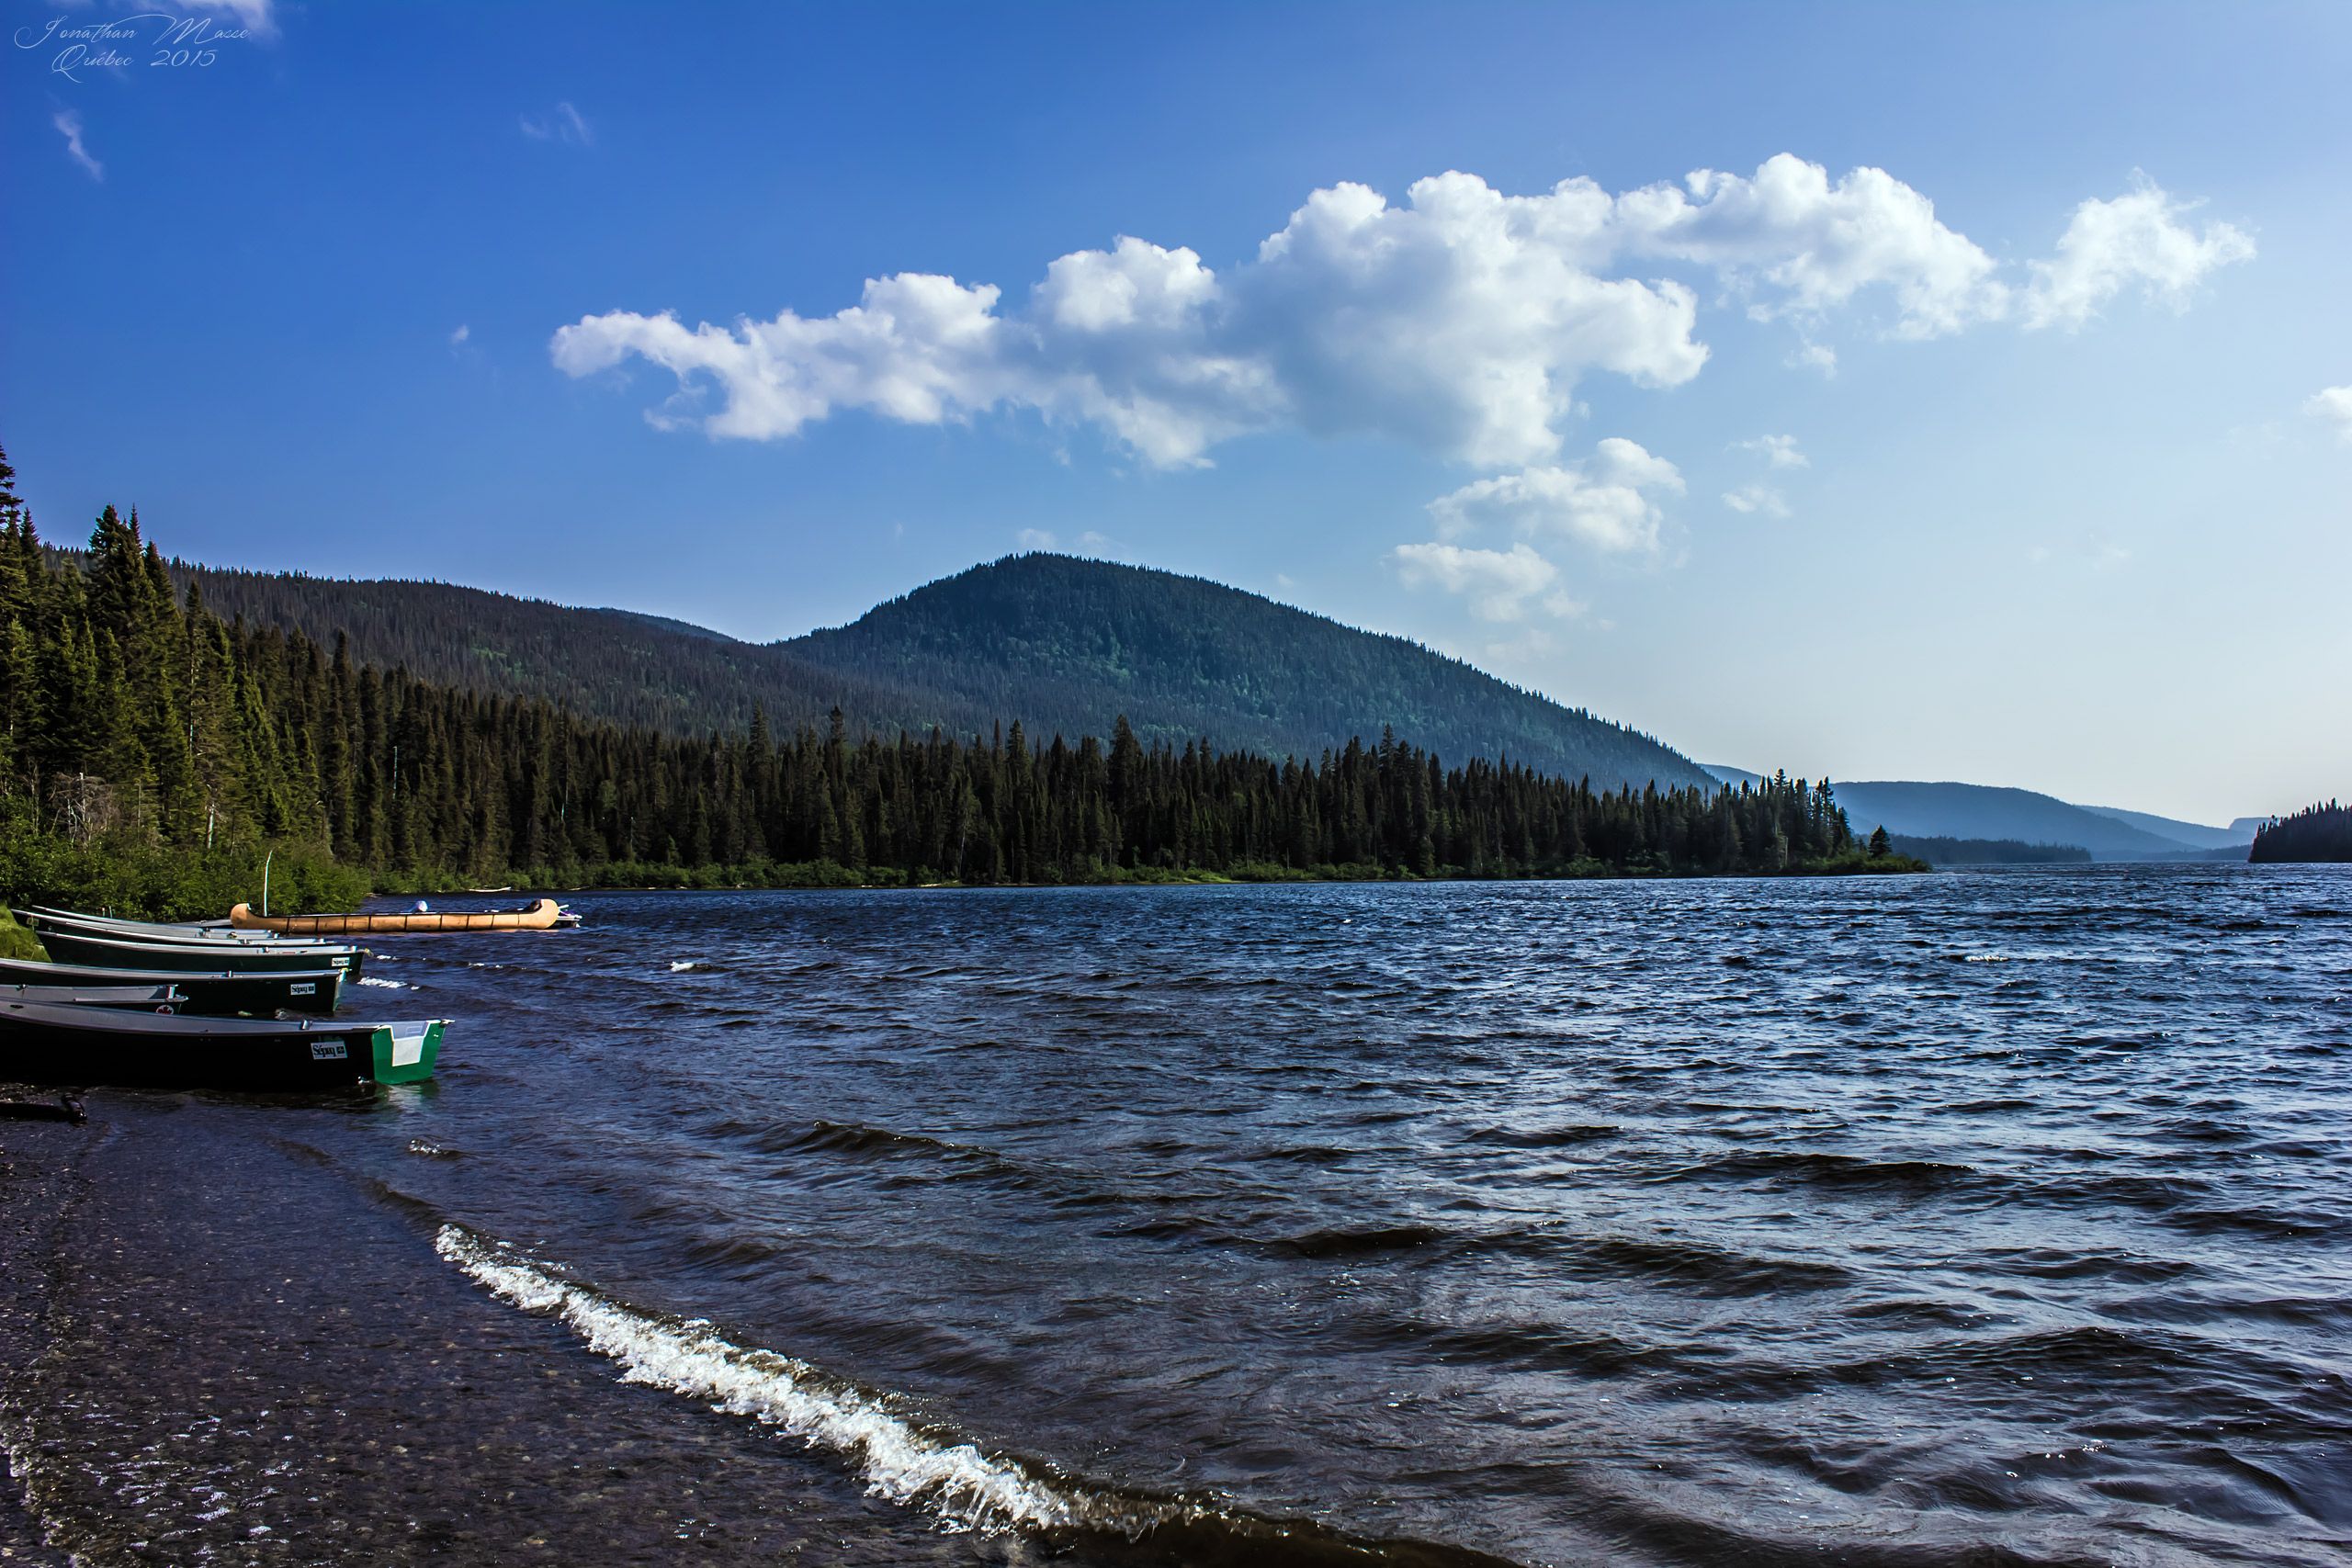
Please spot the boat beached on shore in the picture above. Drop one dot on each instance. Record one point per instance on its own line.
(47, 1043)
(244, 957)
(214, 993)
(183, 931)
(214, 1004)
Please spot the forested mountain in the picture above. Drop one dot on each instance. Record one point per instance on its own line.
(1063, 641)
(617, 665)
(2314, 834)
(1064, 645)
(149, 750)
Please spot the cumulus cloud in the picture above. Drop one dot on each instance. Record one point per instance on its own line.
(1461, 320)
(1802, 245)
(2332, 405)
(1036, 539)
(1499, 584)
(2139, 237)
(1610, 503)
(69, 125)
(918, 348)
(565, 124)
(458, 339)
(1778, 451)
(1760, 499)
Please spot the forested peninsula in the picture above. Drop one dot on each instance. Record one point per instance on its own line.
(153, 753)
(2316, 833)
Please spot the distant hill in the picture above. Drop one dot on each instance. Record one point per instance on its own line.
(1986, 811)
(1968, 811)
(2195, 835)
(1060, 644)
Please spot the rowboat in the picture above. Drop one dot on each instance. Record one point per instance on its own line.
(185, 934)
(145, 999)
(243, 957)
(43, 1043)
(537, 916)
(216, 993)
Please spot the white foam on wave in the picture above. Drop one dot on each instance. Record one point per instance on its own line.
(963, 1487)
(388, 984)
(679, 965)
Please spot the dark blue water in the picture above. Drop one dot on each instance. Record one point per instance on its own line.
(1986, 1217)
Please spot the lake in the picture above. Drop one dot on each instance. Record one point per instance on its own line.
(1987, 1217)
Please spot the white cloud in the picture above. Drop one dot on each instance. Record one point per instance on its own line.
(1802, 245)
(1461, 320)
(920, 348)
(458, 339)
(1610, 503)
(2333, 406)
(1758, 499)
(565, 125)
(1813, 356)
(1778, 451)
(2137, 238)
(1036, 539)
(1499, 584)
(69, 124)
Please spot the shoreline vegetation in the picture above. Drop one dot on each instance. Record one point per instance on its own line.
(157, 758)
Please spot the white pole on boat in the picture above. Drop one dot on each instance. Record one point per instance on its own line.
(265, 880)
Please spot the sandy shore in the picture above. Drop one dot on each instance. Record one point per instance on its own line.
(218, 1348)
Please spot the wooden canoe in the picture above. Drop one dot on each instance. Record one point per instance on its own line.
(535, 917)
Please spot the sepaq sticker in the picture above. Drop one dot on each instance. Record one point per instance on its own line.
(306, 988)
(329, 1051)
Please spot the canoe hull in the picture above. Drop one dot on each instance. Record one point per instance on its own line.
(103, 953)
(538, 917)
(218, 993)
(193, 934)
(139, 999)
(74, 1045)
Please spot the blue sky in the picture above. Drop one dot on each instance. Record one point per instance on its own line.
(1974, 422)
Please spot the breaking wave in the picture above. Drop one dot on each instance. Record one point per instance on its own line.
(962, 1487)
(966, 1488)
